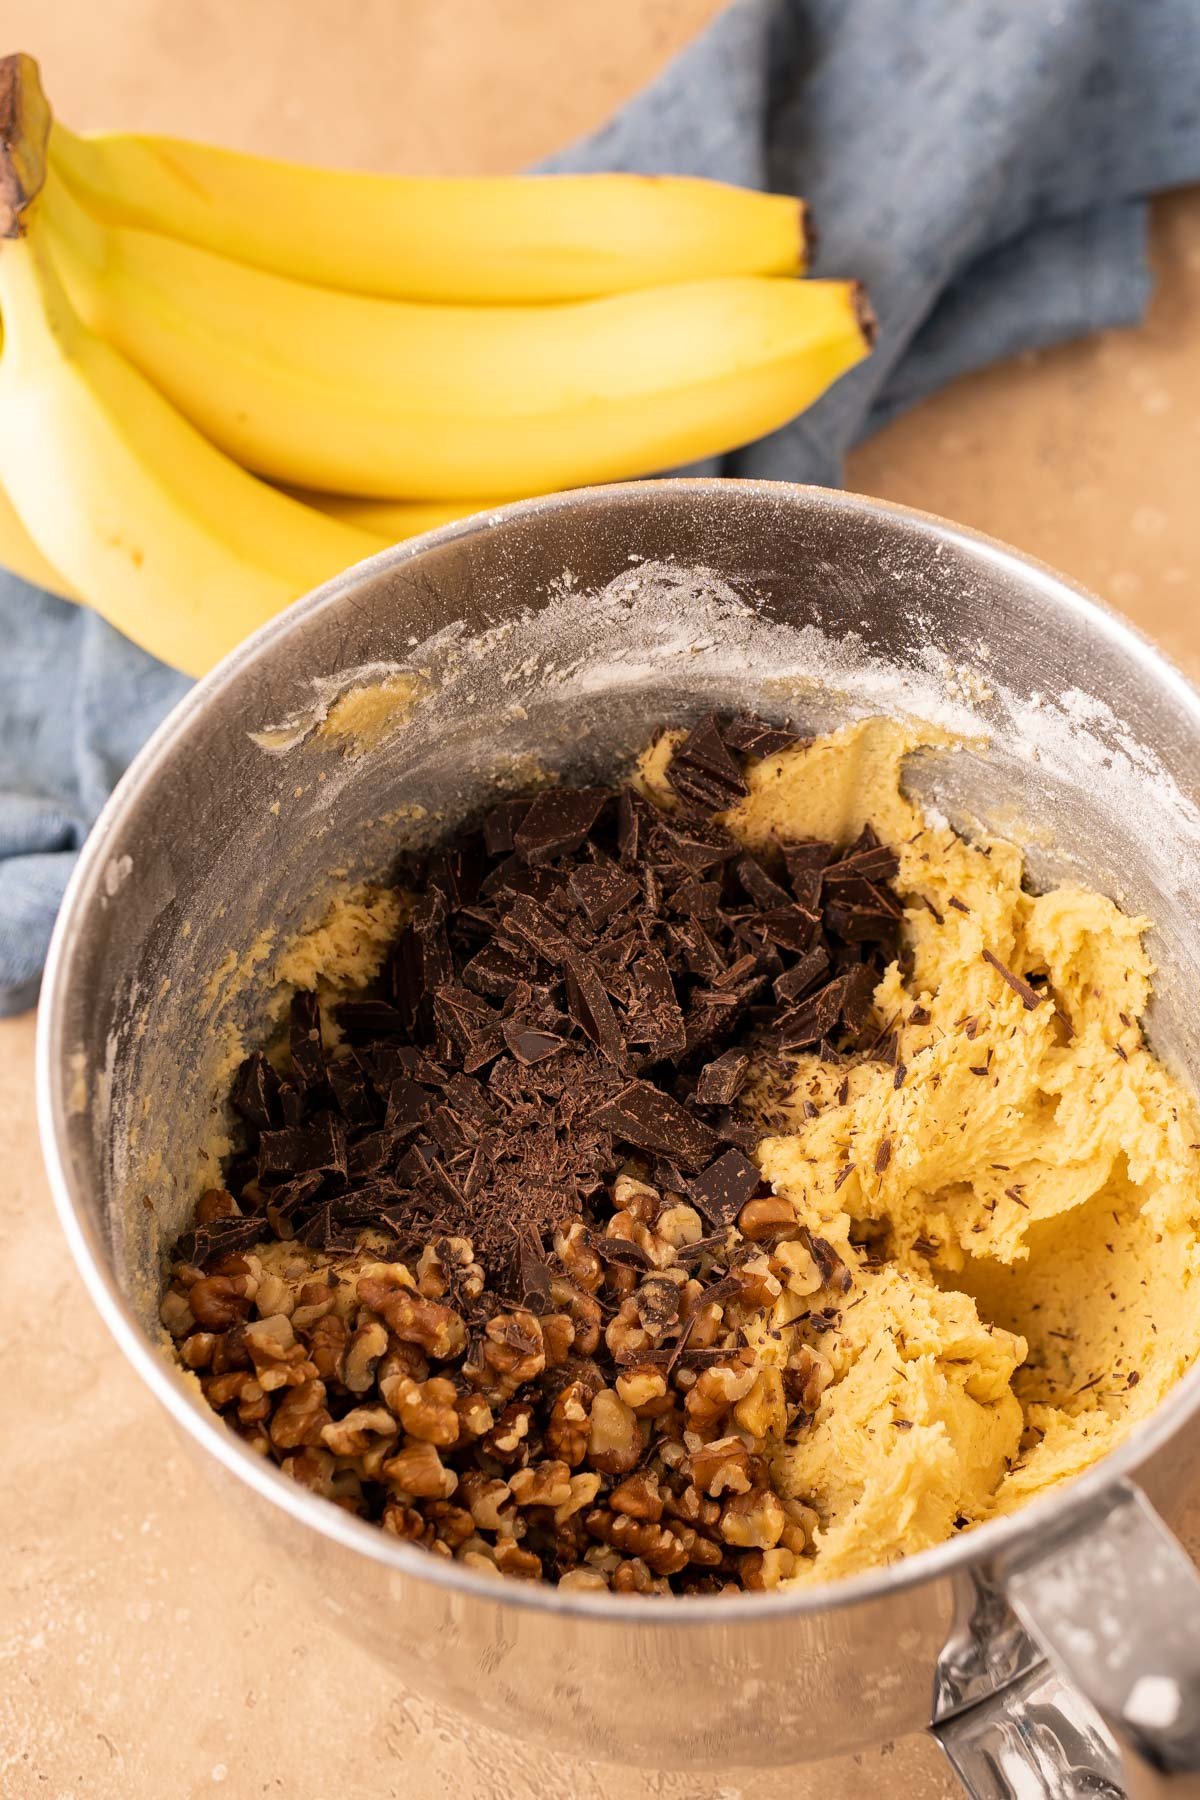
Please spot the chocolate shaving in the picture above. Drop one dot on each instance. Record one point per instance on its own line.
(1029, 997)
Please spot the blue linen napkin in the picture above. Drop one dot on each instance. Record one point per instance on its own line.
(982, 166)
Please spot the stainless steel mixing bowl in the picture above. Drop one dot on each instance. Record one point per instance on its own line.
(559, 630)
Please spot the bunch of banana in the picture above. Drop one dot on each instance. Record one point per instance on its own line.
(223, 378)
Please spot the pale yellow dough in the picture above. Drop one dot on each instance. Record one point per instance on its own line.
(1018, 1209)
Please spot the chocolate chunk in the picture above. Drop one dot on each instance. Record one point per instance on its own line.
(351, 1090)
(423, 961)
(496, 971)
(255, 1092)
(457, 872)
(370, 1018)
(221, 1237)
(858, 992)
(697, 847)
(812, 1019)
(526, 923)
(557, 823)
(629, 809)
(702, 771)
(408, 1106)
(802, 859)
(802, 976)
(591, 1009)
(720, 1082)
(759, 885)
(601, 889)
(321, 1145)
(619, 1250)
(500, 826)
(655, 1019)
(464, 1017)
(291, 1105)
(790, 927)
(369, 1153)
(528, 1045)
(642, 1115)
(697, 899)
(725, 1186)
(304, 1039)
(747, 735)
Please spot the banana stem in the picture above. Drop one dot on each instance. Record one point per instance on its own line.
(24, 133)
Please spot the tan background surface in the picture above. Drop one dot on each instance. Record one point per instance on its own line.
(147, 1651)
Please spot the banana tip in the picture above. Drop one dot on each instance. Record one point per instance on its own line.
(809, 237)
(864, 313)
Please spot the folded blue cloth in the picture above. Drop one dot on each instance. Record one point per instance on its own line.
(982, 167)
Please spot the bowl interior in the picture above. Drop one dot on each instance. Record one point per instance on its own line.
(548, 639)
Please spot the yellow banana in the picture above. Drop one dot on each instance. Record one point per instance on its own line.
(393, 520)
(467, 239)
(384, 397)
(20, 554)
(170, 540)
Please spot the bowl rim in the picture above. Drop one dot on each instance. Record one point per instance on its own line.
(1004, 1540)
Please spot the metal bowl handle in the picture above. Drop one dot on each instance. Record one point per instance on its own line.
(1114, 1604)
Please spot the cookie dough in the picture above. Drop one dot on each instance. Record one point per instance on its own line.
(1015, 1196)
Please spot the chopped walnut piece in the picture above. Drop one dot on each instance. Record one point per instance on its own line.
(363, 1352)
(541, 1484)
(428, 1410)
(614, 1439)
(580, 1262)
(176, 1314)
(583, 1581)
(435, 1329)
(584, 1489)
(514, 1347)
(639, 1496)
(766, 1218)
(300, 1416)
(418, 1470)
(351, 1435)
(508, 1440)
(219, 1301)
(716, 1390)
(567, 1430)
(644, 1388)
(512, 1560)
(753, 1521)
(722, 1467)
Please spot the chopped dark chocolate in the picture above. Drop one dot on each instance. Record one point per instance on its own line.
(747, 735)
(721, 1081)
(642, 1115)
(500, 1077)
(602, 889)
(255, 1092)
(528, 1045)
(557, 823)
(725, 1186)
(701, 770)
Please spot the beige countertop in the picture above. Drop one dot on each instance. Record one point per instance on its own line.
(150, 1650)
